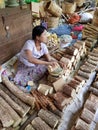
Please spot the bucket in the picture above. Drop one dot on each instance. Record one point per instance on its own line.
(68, 7)
(53, 8)
(52, 22)
(79, 3)
(2, 4)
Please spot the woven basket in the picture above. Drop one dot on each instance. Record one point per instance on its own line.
(95, 18)
(52, 22)
(53, 8)
(68, 7)
(79, 3)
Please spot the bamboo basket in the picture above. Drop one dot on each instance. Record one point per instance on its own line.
(95, 18)
(52, 22)
(68, 7)
(53, 8)
(79, 3)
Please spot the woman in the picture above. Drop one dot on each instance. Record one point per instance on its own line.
(31, 66)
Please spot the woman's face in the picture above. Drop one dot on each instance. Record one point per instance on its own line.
(43, 37)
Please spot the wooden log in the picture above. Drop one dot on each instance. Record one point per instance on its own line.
(5, 118)
(80, 79)
(13, 114)
(84, 74)
(27, 98)
(93, 54)
(50, 118)
(87, 69)
(70, 57)
(82, 125)
(93, 98)
(29, 127)
(69, 91)
(87, 116)
(61, 100)
(57, 112)
(93, 58)
(95, 63)
(39, 124)
(93, 90)
(45, 89)
(92, 106)
(95, 84)
(58, 85)
(89, 64)
(25, 107)
(14, 105)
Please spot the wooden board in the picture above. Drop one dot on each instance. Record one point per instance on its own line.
(19, 25)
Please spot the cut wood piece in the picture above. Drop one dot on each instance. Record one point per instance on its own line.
(66, 61)
(84, 74)
(93, 98)
(95, 63)
(50, 118)
(14, 105)
(61, 100)
(69, 91)
(13, 114)
(95, 84)
(95, 50)
(5, 118)
(80, 79)
(27, 98)
(45, 89)
(92, 106)
(70, 57)
(87, 116)
(25, 107)
(29, 127)
(78, 46)
(58, 85)
(39, 124)
(93, 54)
(87, 69)
(57, 112)
(89, 64)
(93, 90)
(82, 125)
(93, 58)
(71, 50)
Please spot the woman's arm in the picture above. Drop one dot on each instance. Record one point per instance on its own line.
(34, 60)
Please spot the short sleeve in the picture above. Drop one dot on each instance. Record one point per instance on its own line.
(28, 45)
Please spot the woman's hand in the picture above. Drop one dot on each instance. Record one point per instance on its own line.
(53, 63)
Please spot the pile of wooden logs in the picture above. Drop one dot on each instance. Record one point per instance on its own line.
(91, 31)
(70, 56)
(87, 115)
(13, 105)
(90, 44)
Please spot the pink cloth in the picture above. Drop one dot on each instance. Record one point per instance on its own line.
(78, 28)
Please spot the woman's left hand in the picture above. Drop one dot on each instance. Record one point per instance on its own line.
(63, 65)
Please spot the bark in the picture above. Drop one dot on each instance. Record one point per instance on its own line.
(17, 101)
(82, 125)
(13, 114)
(39, 124)
(27, 98)
(87, 116)
(51, 119)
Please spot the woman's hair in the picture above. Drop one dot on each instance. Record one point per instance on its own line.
(37, 31)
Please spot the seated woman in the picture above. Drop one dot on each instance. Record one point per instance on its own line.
(31, 67)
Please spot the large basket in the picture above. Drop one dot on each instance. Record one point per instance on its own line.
(68, 7)
(53, 8)
(79, 3)
(52, 22)
(95, 18)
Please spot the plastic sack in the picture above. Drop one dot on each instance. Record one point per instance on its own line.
(86, 17)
